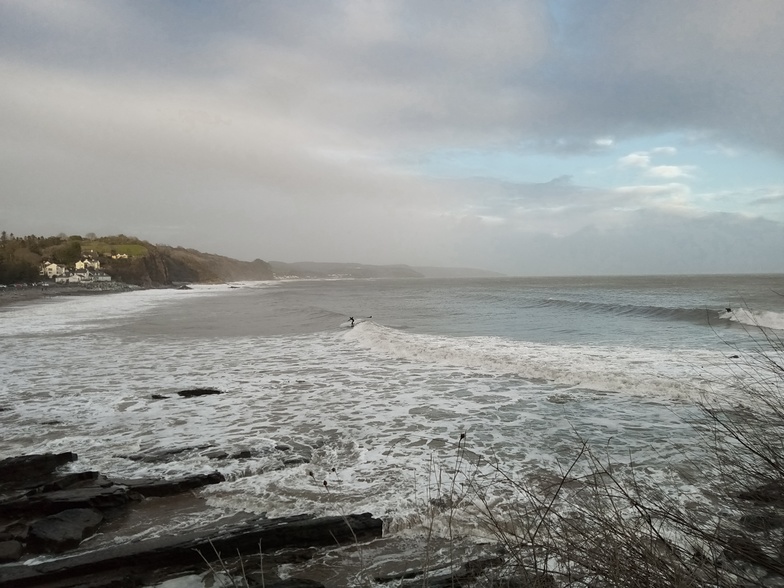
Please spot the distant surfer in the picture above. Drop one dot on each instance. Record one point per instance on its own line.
(351, 320)
(729, 310)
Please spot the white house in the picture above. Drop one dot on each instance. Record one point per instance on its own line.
(87, 263)
(52, 270)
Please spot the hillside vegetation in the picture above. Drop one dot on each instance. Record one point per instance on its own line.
(125, 259)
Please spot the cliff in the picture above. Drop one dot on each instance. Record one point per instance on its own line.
(163, 266)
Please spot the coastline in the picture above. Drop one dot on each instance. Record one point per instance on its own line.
(16, 295)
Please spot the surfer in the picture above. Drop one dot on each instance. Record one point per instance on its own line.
(351, 319)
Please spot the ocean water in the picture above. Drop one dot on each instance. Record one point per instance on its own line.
(336, 420)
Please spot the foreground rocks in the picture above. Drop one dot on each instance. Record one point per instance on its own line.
(138, 563)
(43, 511)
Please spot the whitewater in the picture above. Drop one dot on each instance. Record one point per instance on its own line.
(317, 417)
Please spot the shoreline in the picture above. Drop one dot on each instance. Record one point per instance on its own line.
(16, 295)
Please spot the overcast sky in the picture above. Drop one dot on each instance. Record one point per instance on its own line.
(530, 137)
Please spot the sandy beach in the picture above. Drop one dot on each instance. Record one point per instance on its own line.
(16, 295)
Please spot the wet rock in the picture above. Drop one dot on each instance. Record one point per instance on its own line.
(17, 472)
(198, 392)
(150, 487)
(163, 455)
(69, 481)
(10, 551)
(183, 551)
(63, 531)
(465, 575)
(16, 531)
(217, 454)
(105, 499)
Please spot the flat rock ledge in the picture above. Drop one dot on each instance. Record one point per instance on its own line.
(46, 512)
(135, 564)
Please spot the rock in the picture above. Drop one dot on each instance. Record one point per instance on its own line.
(184, 550)
(63, 531)
(149, 488)
(105, 499)
(69, 481)
(16, 531)
(162, 455)
(198, 392)
(216, 454)
(94, 491)
(465, 575)
(16, 472)
(10, 551)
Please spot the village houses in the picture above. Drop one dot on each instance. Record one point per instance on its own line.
(85, 270)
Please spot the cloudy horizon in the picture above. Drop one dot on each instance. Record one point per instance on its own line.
(528, 137)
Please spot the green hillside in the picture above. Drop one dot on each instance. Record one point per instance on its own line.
(125, 259)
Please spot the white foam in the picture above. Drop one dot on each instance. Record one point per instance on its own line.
(384, 408)
(629, 370)
(757, 319)
(70, 314)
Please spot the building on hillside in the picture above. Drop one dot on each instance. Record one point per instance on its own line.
(120, 256)
(52, 270)
(83, 271)
(87, 263)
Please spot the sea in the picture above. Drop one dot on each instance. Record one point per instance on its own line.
(439, 380)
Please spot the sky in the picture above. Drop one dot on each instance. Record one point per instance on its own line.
(528, 137)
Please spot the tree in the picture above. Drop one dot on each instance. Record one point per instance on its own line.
(68, 254)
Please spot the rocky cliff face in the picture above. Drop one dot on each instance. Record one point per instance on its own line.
(150, 271)
(189, 265)
(164, 266)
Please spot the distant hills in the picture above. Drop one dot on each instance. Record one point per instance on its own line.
(315, 270)
(456, 272)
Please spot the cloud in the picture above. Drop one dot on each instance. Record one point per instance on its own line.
(643, 161)
(288, 130)
(635, 160)
(670, 171)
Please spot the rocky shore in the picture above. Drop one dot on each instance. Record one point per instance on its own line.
(46, 514)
